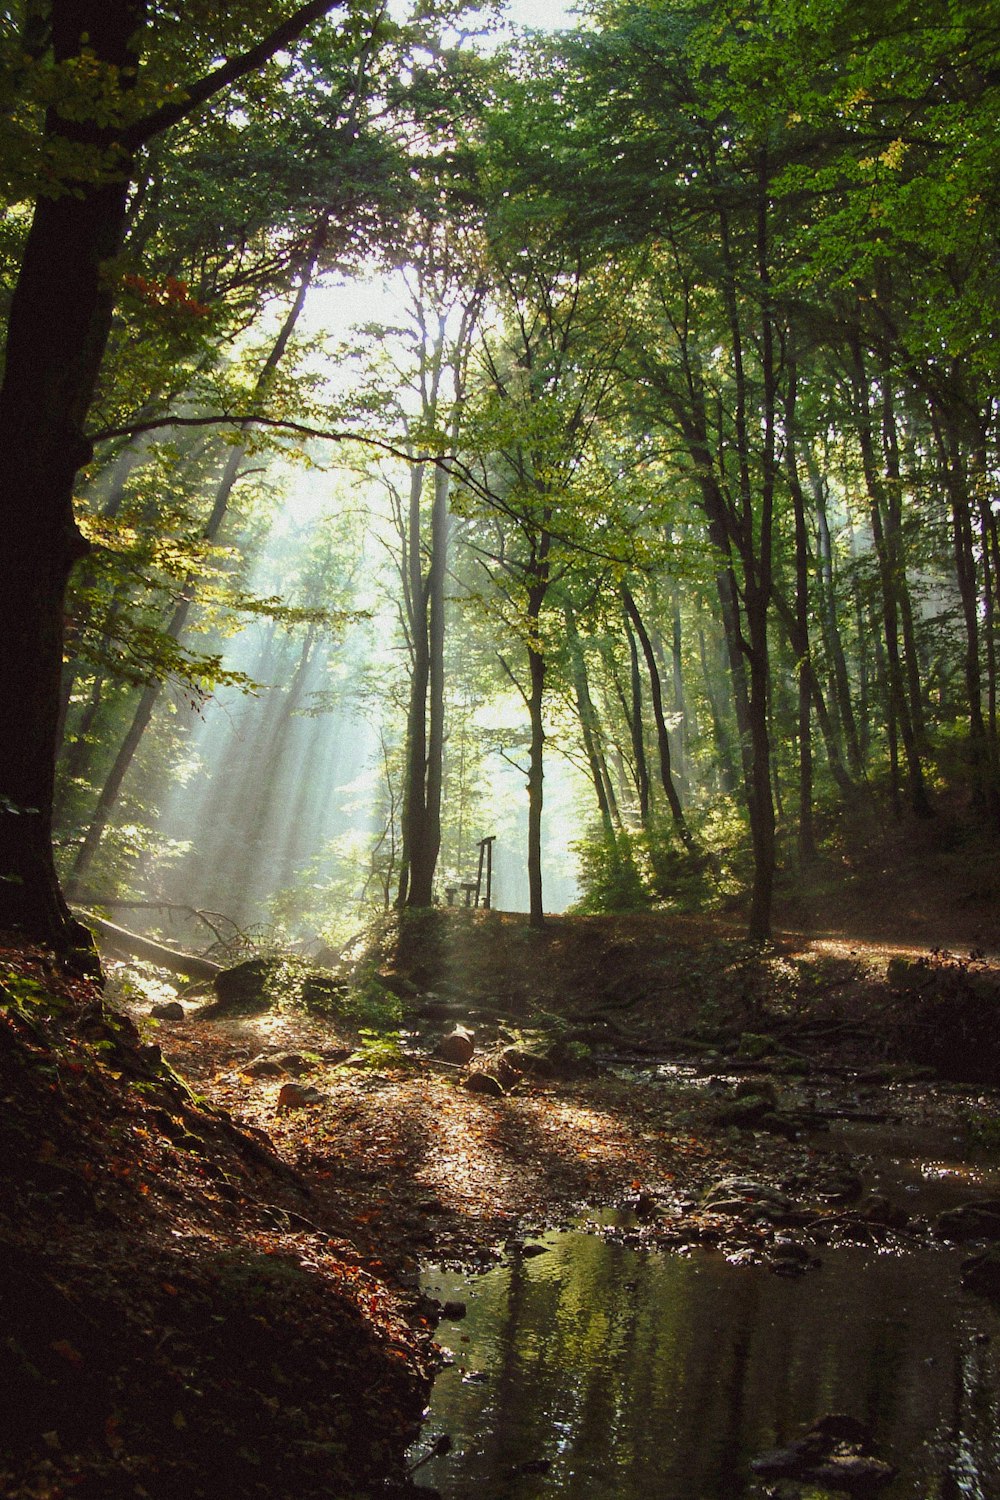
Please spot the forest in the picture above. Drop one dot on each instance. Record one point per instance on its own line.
(500, 653)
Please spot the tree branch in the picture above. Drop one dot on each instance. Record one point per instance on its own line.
(234, 68)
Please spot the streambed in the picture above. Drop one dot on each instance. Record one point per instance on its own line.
(596, 1371)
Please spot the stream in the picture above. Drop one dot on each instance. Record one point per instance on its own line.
(592, 1369)
(598, 1372)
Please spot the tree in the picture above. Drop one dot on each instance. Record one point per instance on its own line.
(58, 327)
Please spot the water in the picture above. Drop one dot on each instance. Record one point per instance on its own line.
(643, 1374)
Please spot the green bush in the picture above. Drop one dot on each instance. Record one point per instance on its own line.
(609, 875)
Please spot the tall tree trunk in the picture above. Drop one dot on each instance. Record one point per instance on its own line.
(727, 771)
(656, 695)
(536, 669)
(60, 318)
(840, 681)
(800, 627)
(425, 728)
(636, 727)
(58, 327)
(890, 584)
(589, 728)
(955, 456)
(893, 495)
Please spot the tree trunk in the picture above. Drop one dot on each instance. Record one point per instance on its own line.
(635, 725)
(57, 332)
(536, 668)
(954, 459)
(800, 628)
(60, 318)
(890, 583)
(840, 686)
(656, 694)
(588, 725)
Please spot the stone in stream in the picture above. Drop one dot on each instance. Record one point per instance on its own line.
(981, 1273)
(745, 1197)
(970, 1221)
(835, 1452)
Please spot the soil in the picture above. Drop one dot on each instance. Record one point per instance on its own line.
(212, 1282)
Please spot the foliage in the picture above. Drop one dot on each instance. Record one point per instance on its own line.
(378, 1050)
(609, 875)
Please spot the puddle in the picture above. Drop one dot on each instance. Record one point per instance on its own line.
(604, 1373)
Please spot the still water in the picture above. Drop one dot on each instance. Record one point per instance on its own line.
(625, 1374)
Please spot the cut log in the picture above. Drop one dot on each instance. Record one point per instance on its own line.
(119, 940)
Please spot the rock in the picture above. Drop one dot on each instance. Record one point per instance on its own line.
(244, 989)
(484, 1083)
(297, 1096)
(431, 1007)
(293, 1064)
(454, 1311)
(529, 1060)
(457, 1047)
(860, 1472)
(263, 1067)
(970, 1221)
(841, 1187)
(742, 1195)
(526, 1249)
(835, 1452)
(877, 1209)
(981, 1273)
(168, 1010)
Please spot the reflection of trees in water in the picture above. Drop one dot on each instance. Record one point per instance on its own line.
(654, 1375)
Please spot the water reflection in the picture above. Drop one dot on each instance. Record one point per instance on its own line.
(627, 1375)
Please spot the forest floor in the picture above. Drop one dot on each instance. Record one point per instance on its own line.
(213, 1223)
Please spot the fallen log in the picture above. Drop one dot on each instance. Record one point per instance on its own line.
(131, 945)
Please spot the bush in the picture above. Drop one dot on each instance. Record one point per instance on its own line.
(609, 875)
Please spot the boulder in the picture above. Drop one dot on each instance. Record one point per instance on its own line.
(297, 1096)
(263, 1067)
(293, 1064)
(531, 1060)
(835, 1452)
(981, 1273)
(744, 1196)
(168, 1010)
(457, 1047)
(970, 1221)
(484, 1083)
(911, 974)
(245, 988)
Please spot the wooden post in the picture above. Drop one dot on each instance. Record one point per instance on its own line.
(485, 856)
